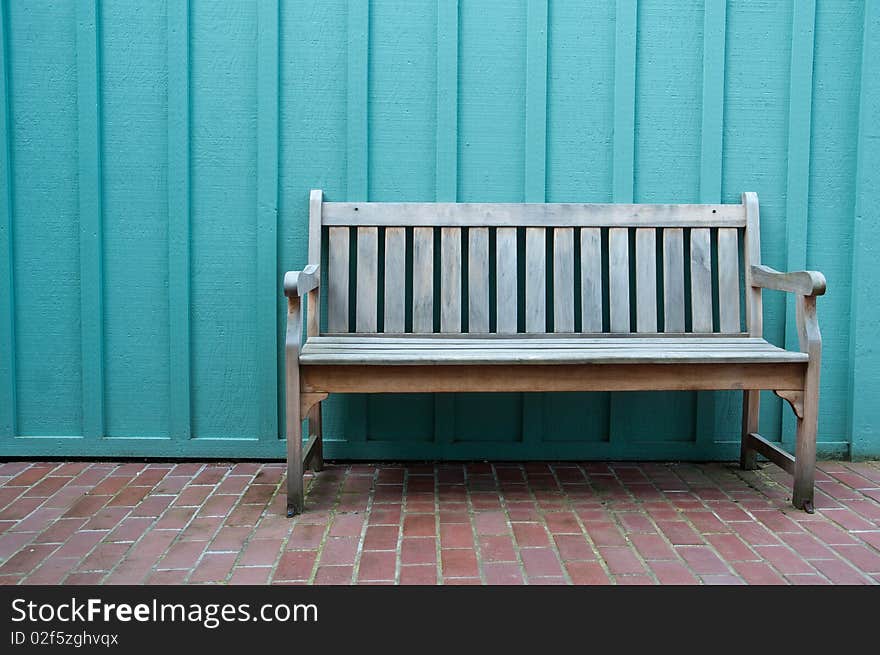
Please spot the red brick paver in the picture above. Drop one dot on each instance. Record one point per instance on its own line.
(474, 523)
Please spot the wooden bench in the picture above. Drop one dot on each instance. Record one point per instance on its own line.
(643, 319)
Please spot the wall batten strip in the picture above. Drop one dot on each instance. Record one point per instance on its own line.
(863, 415)
(8, 396)
(535, 182)
(708, 409)
(625, 36)
(446, 176)
(800, 102)
(357, 157)
(623, 147)
(268, 280)
(180, 424)
(90, 217)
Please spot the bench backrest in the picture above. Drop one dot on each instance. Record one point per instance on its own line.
(536, 268)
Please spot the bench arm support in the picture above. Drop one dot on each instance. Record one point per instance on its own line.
(299, 283)
(803, 283)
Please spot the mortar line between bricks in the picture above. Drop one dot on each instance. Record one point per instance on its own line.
(371, 497)
(504, 508)
(320, 549)
(543, 514)
(404, 501)
(599, 559)
(437, 545)
(472, 519)
(250, 536)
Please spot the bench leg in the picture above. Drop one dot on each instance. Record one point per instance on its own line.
(295, 495)
(748, 458)
(316, 461)
(805, 451)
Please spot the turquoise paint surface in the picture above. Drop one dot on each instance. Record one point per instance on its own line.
(174, 179)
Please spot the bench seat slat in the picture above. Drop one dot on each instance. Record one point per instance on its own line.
(576, 351)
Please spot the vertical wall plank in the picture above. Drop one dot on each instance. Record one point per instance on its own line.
(395, 277)
(357, 159)
(446, 173)
(715, 410)
(863, 416)
(450, 279)
(478, 280)
(423, 280)
(268, 283)
(800, 104)
(624, 99)
(625, 37)
(338, 286)
(8, 410)
(535, 191)
(563, 279)
(591, 279)
(646, 280)
(673, 279)
(88, 68)
(180, 423)
(505, 280)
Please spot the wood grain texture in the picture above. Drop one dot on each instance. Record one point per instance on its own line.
(450, 279)
(423, 280)
(701, 281)
(618, 279)
(395, 279)
(531, 214)
(338, 279)
(367, 308)
(536, 275)
(506, 280)
(728, 281)
(591, 279)
(478, 280)
(563, 280)
(673, 280)
(646, 280)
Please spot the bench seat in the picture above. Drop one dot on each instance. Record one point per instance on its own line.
(541, 349)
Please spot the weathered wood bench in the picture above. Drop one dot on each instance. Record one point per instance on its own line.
(643, 317)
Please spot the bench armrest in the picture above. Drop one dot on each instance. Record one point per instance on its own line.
(299, 283)
(804, 283)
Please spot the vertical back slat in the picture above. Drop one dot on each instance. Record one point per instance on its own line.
(591, 279)
(701, 280)
(450, 279)
(395, 279)
(728, 280)
(367, 279)
(423, 280)
(673, 279)
(337, 279)
(505, 280)
(752, 257)
(536, 275)
(618, 278)
(563, 279)
(646, 280)
(478, 279)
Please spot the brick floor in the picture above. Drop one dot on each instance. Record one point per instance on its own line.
(472, 523)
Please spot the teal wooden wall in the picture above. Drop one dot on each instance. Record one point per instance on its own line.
(157, 156)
